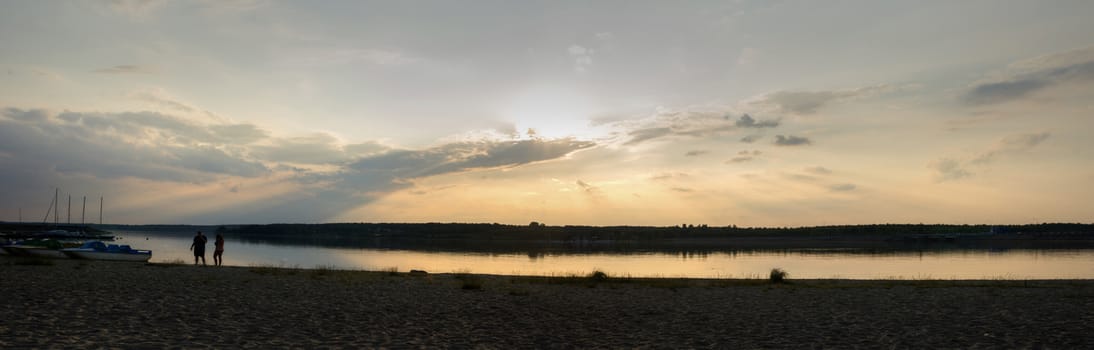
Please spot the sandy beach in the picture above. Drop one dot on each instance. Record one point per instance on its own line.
(68, 303)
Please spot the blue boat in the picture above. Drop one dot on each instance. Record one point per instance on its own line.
(96, 250)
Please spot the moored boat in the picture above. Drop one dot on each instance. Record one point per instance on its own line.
(96, 250)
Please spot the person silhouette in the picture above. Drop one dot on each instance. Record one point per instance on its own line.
(199, 247)
(218, 250)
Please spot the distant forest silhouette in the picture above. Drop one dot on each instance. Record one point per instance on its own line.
(537, 238)
(493, 237)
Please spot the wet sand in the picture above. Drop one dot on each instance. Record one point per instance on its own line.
(67, 303)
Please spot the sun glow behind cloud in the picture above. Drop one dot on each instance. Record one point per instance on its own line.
(551, 112)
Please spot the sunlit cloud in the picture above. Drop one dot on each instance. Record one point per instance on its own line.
(1027, 77)
(947, 169)
(952, 169)
(809, 102)
(1011, 144)
(127, 69)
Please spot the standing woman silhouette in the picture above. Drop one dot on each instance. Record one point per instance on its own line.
(218, 252)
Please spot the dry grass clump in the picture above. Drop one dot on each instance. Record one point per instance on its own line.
(778, 275)
(598, 276)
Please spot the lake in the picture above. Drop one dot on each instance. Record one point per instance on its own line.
(800, 263)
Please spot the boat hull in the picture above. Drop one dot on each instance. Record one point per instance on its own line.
(138, 256)
(34, 251)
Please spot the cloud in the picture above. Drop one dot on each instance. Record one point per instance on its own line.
(987, 93)
(809, 102)
(317, 176)
(669, 176)
(791, 140)
(465, 156)
(138, 145)
(641, 135)
(1011, 144)
(699, 122)
(317, 148)
(800, 177)
(1022, 79)
(159, 127)
(587, 188)
(696, 153)
(746, 121)
(365, 148)
(744, 156)
(947, 169)
(682, 189)
(583, 57)
(751, 138)
(160, 98)
(819, 170)
(126, 69)
(238, 133)
(842, 187)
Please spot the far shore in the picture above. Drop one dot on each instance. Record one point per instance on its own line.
(71, 303)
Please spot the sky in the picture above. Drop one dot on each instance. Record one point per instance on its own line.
(748, 113)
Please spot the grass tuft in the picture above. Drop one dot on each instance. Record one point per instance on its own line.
(778, 275)
(598, 276)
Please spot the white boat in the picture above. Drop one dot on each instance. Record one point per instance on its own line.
(96, 250)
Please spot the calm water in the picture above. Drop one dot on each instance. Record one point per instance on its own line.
(946, 264)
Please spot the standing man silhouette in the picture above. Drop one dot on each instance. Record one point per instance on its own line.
(199, 248)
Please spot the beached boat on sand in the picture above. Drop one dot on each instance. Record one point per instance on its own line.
(40, 248)
(96, 250)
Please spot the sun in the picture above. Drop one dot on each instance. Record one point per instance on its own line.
(553, 112)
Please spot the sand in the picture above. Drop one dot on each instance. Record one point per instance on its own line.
(66, 303)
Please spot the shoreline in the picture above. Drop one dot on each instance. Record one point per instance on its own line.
(72, 303)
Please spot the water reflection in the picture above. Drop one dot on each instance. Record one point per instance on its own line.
(744, 263)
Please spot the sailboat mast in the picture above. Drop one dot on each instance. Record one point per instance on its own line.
(69, 209)
(100, 210)
(56, 192)
(83, 211)
(45, 218)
